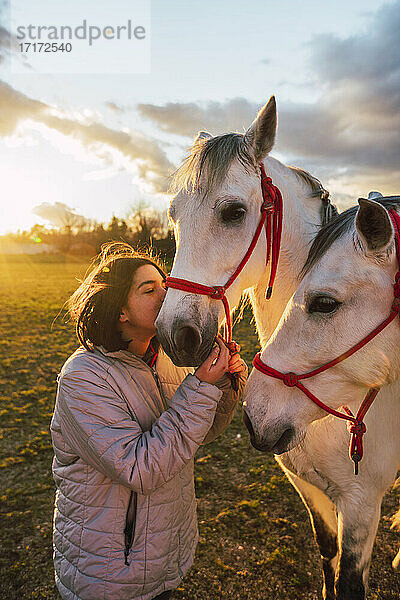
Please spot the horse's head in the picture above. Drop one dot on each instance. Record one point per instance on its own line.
(346, 292)
(215, 215)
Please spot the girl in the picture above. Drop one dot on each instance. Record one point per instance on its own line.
(125, 429)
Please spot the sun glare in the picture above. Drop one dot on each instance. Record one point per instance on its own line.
(21, 192)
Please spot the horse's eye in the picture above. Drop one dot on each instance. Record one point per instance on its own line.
(323, 304)
(233, 213)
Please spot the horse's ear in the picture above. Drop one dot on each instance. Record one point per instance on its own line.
(202, 135)
(373, 226)
(260, 136)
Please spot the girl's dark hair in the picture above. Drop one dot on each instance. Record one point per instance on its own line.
(96, 305)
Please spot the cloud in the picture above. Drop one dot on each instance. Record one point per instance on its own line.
(16, 107)
(142, 154)
(188, 118)
(115, 107)
(360, 108)
(351, 132)
(9, 44)
(372, 56)
(60, 215)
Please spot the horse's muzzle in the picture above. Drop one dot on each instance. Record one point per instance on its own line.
(278, 444)
(184, 343)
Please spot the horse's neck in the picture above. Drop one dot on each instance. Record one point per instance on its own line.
(301, 220)
(386, 402)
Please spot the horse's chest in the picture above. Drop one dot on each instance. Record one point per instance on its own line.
(299, 463)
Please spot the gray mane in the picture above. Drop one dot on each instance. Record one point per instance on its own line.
(317, 189)
(336, 228)
(210, 159)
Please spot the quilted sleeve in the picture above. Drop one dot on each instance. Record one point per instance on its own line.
(97, 425)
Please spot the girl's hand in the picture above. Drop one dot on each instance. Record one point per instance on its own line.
(215, 365)
(235, 364)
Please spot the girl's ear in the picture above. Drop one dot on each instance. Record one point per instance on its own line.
(123, 317)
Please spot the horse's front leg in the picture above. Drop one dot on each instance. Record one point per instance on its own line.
(358, 518)
(323, 519)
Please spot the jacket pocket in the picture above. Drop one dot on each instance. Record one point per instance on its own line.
(130, 524)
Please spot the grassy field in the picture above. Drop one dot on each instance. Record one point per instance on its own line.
(255, 537)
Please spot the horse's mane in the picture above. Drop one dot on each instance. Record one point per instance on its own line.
(336, 228)
(317, 189)
(210, 159)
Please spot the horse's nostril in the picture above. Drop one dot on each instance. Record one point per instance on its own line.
(248, 424)
(187, 339)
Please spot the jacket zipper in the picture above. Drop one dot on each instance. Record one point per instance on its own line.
(157, 380)
(130, 525)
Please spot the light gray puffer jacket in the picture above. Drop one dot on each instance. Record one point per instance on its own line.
(124, 437)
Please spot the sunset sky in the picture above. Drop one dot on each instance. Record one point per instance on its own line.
(99, 143)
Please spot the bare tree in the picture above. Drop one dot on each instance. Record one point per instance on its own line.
(147, 223)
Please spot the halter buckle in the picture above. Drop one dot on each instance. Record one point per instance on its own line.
(355, 457)
(218, 292)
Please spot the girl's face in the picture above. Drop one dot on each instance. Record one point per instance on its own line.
(143, 303)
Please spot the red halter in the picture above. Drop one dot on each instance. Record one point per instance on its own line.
(272, 205)
(356, 425)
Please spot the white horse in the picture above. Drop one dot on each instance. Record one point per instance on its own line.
(346, 292)
(215, 215)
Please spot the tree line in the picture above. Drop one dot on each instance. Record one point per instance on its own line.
(78, 236)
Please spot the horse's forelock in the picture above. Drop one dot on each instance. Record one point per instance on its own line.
(209, 161)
